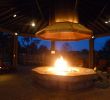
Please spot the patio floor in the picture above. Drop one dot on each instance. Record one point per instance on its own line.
(20, 86)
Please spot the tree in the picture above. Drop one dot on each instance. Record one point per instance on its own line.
(28, 44)
(105, 52)
(85, 51)
(107, 46)
(43, 48)
(6, 44)
(66, 47)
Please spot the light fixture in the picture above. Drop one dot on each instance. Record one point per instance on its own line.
(53, 52)
(106, 22)
(33, 24)
(16, 34)
(93, 37)
(14, 15)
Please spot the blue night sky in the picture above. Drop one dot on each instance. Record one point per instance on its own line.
(74, 45)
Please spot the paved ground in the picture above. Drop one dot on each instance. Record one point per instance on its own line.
(20, 86)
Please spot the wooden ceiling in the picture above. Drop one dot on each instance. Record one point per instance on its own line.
(92, 13)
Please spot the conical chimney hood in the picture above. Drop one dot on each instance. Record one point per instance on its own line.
(64, 26)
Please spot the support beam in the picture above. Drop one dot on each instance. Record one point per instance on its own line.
(15, 51)
(29, 35)
(5, 30)
(52, 47)
(12, 32)
(101, 35)
(91, 53)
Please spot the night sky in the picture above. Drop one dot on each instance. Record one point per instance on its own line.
(74, 45)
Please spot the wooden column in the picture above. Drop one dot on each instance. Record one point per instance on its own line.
(52, 47)
(52, 52)
(91, 53)
(15, 50)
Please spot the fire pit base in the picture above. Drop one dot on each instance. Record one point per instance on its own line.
(64, 82)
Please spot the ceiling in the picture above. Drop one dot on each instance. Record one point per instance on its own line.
(94, 14)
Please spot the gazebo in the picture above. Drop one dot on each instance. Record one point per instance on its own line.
(17, 16)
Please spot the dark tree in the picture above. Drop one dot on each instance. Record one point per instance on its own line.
(6, 45)
(105, 52)
(43, 49)
(107, 46)
(85, 51)
(29, 45)
(66, 47)
(104, 56)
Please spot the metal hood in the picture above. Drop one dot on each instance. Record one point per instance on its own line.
(65, 31)
(65, 26)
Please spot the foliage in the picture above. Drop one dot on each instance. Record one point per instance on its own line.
(28, 45)
(6, 41)
(85, 51)
(105, 52)
(66, 47)
(42, 49)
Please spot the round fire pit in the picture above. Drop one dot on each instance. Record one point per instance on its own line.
(77, 78)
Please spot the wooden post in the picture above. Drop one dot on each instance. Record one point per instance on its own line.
(52, 47)
(15, 50)
(91, 53)
(52, 52)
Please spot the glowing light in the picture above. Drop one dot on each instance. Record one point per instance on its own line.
(53, 52)
(93, 37)
(106, 22)
(16, 33)
(14, 15)
(61, 67)
(0, 67)
(64, 20)
(95, 68)
(61, 64)
(33, 24)
(14, 55)
(75, 20)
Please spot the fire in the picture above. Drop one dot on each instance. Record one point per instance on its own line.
(61, 67)
(60, 64)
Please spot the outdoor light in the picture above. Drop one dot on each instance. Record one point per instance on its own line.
(95, 68)
(93, 37)
(16, 34)
(53, 52)
(14, 15)
(14, 55)
(33, 24)
(106, 22)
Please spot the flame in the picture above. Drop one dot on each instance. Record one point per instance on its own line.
(61, 67)
(61, 64)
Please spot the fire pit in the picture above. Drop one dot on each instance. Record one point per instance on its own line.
(63, 76)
